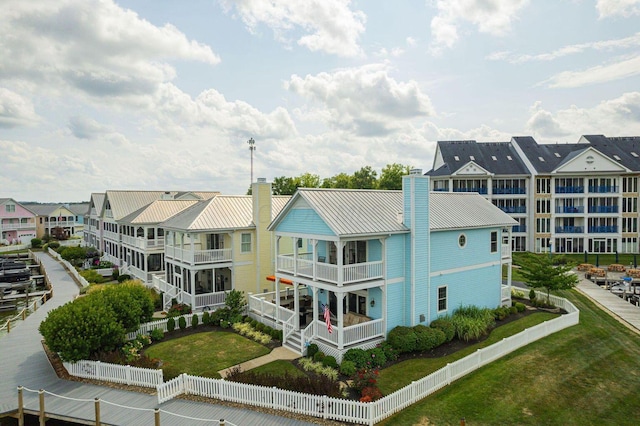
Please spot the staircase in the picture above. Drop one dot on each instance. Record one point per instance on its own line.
(294, 342)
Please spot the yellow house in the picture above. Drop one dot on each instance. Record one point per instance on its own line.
(219, 245)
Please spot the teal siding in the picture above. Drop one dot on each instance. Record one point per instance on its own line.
(395, 247)
(374, 250)
(375, 312)
(303, 221)
(395, 305)
(478, 287)
(447, 253)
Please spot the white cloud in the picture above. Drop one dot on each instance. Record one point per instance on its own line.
(365, 100)
(621, 43)
(94, 48)
(625, 8)
(330, 25)
(594, 75)
(86, 128)
(493, 17)
(16, 110)
(614, 117)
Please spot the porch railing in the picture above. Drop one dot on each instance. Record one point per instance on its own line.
(506, 251)
(329, 272)
(143, 243)
(197, 256)
(352, 334)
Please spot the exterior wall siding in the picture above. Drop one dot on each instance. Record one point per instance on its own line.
(304, 222)
(395, 259)
(396, 307)
(450, 255)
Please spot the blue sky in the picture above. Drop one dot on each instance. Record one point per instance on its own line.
(150, 94)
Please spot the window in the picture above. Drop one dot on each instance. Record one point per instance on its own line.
(455, 157)
(494, 241)
(543, 205)
(462, 240)
(493, 157)
(299, 243)
(245, 246)
(442, 299)
(509, 158)
(472, 158)
(543, 185)
(10, 208)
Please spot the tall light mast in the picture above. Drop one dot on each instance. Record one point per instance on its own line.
(252, 147)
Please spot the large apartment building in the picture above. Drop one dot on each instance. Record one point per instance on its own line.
(567, 198)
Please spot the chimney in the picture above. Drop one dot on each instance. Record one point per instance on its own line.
(167, 196)
(415, 172)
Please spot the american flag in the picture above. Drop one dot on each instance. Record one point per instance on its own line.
(327, 318)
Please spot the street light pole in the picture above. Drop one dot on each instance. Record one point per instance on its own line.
(252, 147)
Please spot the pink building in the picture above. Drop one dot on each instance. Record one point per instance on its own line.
(17, 223)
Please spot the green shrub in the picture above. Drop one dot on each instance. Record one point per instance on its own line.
(219, 315)
(54, 245)
(532, 295)
(358, 356)
(182, 323)
(92, 276)
(206, 318)
(178, 309)
(248, 319)
(330, 361)
(403, 339)
(376, 357)
(236, 303)
(36, 243)
(171, 324)
(253, 323)
(312, 349)
(348, 368)
(472, 322)
(123, 278)
(115, 274)
(513, 310)
(428, 338)
(157, 334)
(447, 327)
(259, 327)
(521, 307)
(500, 313)
(318, 356)
(389, 352)
(194, 320)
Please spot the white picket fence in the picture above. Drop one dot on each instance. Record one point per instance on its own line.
(360, 412)
(161, 324)
(124, 374)
(69, 267)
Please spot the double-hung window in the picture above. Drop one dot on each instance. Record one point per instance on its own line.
(494, 241)
(442, 298)
(245, 244)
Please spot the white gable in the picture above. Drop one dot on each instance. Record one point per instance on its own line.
(471, 168)
(590, 160)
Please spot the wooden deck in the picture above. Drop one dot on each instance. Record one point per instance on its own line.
(24, 363)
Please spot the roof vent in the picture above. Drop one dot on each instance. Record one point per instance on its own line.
(400, 218)
(415, 172)
(262, 180)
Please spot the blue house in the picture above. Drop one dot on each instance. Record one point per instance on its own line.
(366, 261)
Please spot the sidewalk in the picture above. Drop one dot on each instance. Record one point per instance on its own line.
(279, 353)
(625, 312)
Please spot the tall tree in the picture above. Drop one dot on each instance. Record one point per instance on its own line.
(341, 180)
(539, 271)
(308, 180)
(391, 176)
(365, 178)
(284, 185)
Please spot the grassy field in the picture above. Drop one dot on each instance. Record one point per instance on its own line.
(587, 374)
(204, 354)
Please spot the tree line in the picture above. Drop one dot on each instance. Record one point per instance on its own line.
(365, 178)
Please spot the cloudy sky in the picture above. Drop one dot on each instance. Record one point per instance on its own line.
(150, 94)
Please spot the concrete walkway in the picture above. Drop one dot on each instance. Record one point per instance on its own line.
(279, 353)
(24, 363)
(622, 310)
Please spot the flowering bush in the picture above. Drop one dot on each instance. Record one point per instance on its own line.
(308, 364)
(366, 382)
(131, 350)
(178, 309)
(246, 329)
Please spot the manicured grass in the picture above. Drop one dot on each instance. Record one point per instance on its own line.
(204, 354)
(279, 368)
(399, 375)
(586, 374)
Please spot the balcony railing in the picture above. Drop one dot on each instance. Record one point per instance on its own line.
(328, 272)
(61, 223)
(603, 189)
(197, 302)
(143, 243)
(516, 209)
(505, 251)
(198, 256)
(498, 191)
(111, 235)
(519, 228)
(471, 189)
(569, 189)
(603, 209)
(603, 229)
(569, 209)
(441, 189)
(569, 229)
(17, 226)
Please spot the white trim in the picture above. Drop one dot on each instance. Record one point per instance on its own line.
(446, 298)
(464, 243)
(465, 268)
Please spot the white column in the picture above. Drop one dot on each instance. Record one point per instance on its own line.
(340, 314)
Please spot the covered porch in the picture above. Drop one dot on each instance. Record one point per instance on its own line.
(202, 290)
(298, 310)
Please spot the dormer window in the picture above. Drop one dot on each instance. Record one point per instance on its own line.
(617, 157)
(557, 155)
(472, 158)
(509, 158)
(634, 154)
(455, 157)
(493, 157)
(541, 159)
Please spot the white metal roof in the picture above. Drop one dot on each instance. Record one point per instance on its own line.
(158, 211)
(125, 202)
(221, 212)
(455, 210)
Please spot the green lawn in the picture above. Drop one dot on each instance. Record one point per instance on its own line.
(279, 368)
(204, 354)
(586, 374)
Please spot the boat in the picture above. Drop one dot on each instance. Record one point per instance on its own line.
(13, 271)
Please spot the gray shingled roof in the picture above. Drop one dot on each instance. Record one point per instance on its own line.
(158, 211)
(543, 156)
(482, 154)
(42, 209)
(456, 210)
(221, 213)
(620, 146)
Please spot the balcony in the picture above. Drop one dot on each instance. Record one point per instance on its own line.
(519, 228)
(517, 209)
(60, 223)
(569, 209)
(510, 191)
(17, 226)
(143, 243)
(441, 189)
(569, 229)
(114, 236)
(569, 189)
(320, 271)
(198, 257)
(603, 229)
(197, 301)
(478, 190)
(603, 189)
(505, 251)
(603, 209)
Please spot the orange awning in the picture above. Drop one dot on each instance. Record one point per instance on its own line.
(282, 280)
